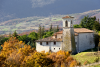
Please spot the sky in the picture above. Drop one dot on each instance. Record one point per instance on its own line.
(27, 8)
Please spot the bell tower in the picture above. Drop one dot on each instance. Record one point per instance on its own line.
(68, 35)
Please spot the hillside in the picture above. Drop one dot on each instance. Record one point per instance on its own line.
(32, 23)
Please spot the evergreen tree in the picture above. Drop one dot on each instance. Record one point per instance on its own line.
(96, 26)
(39, 32)
(42, 31)
(57, 28)
(50, 28)
(15, 34)
(88, 22)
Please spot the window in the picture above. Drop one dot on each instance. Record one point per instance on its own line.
(59, 48)
(75, 42)
(86, 36)
(71, 21)
(54, 48)
(61, 36)
(46, 43)
(54, 43)
(55, 36)
(40, 43)
(66, 24)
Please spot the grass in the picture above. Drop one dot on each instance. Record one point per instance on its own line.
(99, 33)
(95, 65)
(85, 56)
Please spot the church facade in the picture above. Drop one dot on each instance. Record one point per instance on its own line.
(69, 39)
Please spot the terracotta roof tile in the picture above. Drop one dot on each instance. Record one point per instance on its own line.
(76, 31)
(60, 32)
(82, 30)
(49, 39)
(67, 17)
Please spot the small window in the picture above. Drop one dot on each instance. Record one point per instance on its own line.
(59, 48)
(54, 43)
(46, 43)
(75, 42)
(55, 36)
(54, 48)
(61, 36)
(86, 36)
(40, 43)
(71, 21)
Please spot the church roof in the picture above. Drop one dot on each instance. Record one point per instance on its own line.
(50, 39)
(77, 30)
(82, 30)
(67, 17)
(60, 32)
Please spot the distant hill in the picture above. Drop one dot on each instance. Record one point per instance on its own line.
(32, 23)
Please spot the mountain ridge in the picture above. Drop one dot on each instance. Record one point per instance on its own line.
(32, 23)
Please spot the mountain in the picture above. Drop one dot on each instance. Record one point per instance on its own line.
(32, 23)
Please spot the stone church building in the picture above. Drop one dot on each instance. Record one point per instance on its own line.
(69, 39)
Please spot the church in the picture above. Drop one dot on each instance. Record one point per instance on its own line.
(69, 39)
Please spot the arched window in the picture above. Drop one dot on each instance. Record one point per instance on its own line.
(66, 24)
(71, 21)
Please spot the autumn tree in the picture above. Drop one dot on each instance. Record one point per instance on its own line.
(16, 53)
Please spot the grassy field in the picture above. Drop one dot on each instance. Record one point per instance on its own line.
(85, 56)
(95, 65)
(88, 56)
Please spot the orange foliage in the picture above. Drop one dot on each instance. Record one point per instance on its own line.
(16, 54)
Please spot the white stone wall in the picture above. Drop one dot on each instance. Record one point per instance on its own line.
(86, 41)
(50, 46)
(76, 43)
(69, 22)
(59, 35)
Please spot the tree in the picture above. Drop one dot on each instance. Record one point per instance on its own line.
(50, 28)
(47, 34)
(77, 26)
(57, 28)
(88, 22)
(3, 39)
(24, 38)
(33, 36)
(42, 31)
(15, 34)
(96, 26)
(39, 32)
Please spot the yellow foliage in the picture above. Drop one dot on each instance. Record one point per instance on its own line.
(73, 63)
(16, 54)
(63, 65)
